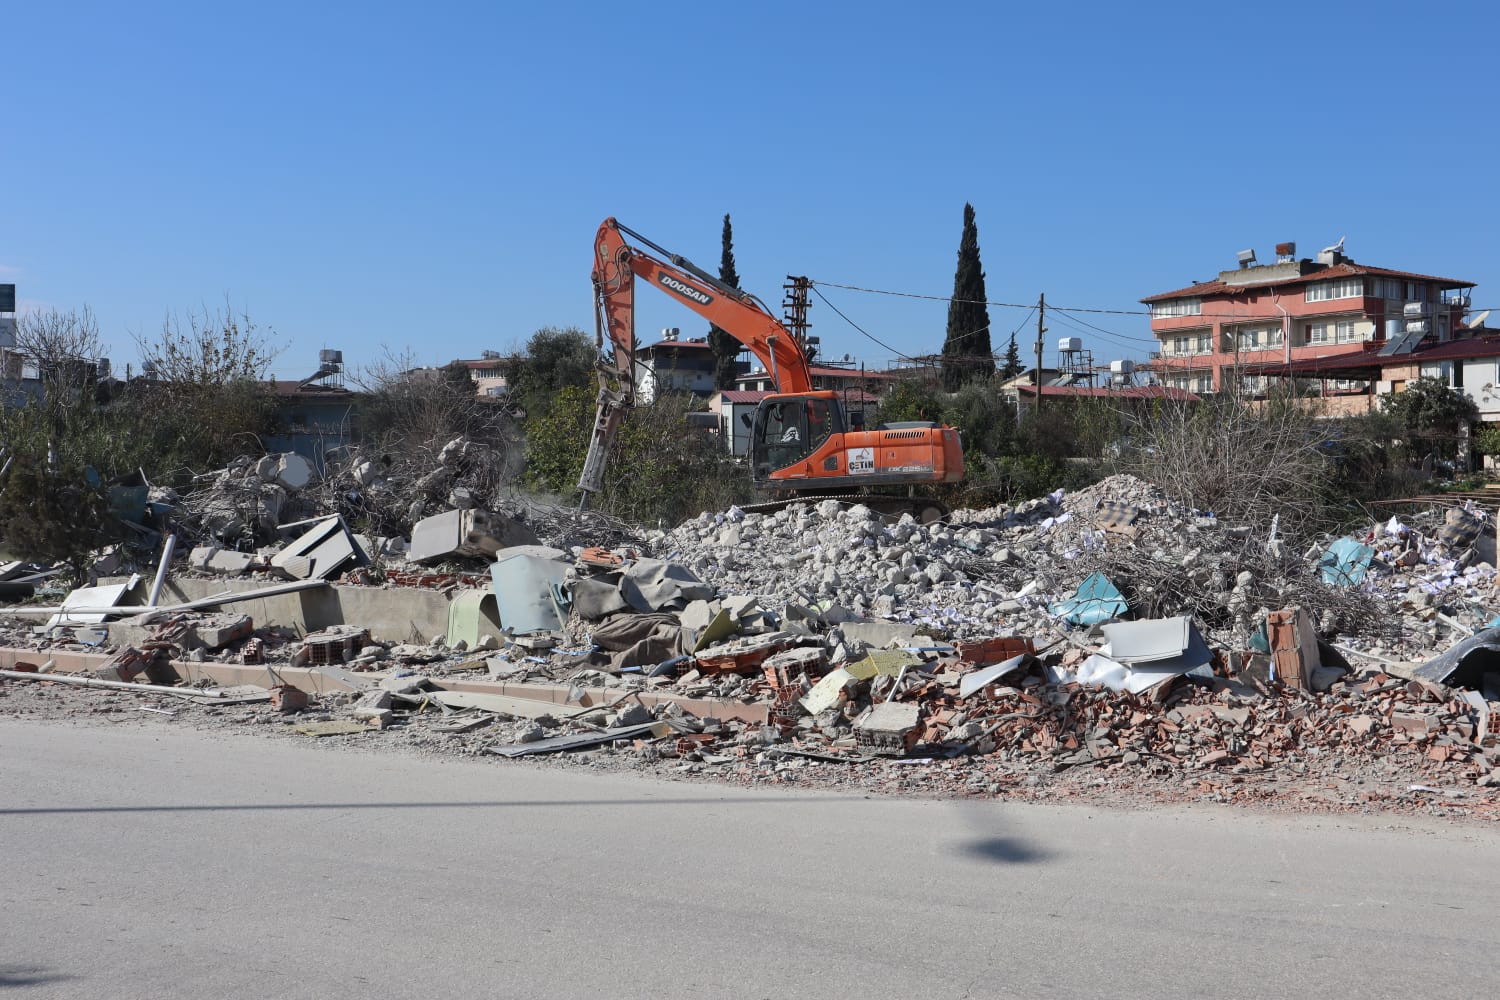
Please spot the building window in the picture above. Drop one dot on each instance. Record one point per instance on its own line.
(1344, 331)
(1343, 288)
(1257, 338)
(1442, 370)
(1317, 333)
(1176, 307)
(1201, 343)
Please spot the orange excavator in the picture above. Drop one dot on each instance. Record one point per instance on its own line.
(802, 444)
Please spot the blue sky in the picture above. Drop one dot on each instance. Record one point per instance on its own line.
(429, 177)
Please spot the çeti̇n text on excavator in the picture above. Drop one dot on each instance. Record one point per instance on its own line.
(802, 444)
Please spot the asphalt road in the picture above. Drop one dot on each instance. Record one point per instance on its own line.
(164, 863)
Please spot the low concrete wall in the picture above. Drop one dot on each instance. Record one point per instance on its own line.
(399, 614)
(567, 698)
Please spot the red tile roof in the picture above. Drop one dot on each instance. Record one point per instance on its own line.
(1369, 360)
(1347, 269)
(1472, 347)
(849, 372)
(286, 387)
(1125, 392)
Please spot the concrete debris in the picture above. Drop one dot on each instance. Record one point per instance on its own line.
(888, 730)
(326, 548)
(1105, 631)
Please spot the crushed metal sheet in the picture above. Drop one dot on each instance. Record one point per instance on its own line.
(524, 591)
(829, 758)
(91, 597)
(1345, 563)
(1147, 641)
(582, 741)
(978, 680)
(1097, 600)
(1465, 662)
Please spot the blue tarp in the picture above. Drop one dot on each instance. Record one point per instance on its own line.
(1097, 600)
(1345, 563)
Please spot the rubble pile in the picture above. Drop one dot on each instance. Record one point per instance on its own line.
(1108, 635)
(1012, 564)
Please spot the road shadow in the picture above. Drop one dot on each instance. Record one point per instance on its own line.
(16, 976)
(1004, 850)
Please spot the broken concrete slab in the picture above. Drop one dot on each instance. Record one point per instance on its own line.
(326, 548)
(828, 692)
(469, 534)
(878, 634)
(888, 729)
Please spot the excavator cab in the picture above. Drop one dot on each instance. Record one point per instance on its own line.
(787, 429)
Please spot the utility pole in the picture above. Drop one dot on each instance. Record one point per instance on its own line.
(1041, 312)
(795, 304)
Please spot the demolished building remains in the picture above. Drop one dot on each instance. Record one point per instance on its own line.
(1107, 630)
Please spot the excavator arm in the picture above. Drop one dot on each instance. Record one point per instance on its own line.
(801, 444)
(617, 267)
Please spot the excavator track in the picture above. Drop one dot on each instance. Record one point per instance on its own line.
(890, 509)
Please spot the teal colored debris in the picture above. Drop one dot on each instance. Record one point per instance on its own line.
(1097, 600)
(1345, 563)
(1260, 641)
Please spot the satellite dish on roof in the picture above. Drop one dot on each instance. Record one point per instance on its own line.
(1475, 322)
(1337, 247)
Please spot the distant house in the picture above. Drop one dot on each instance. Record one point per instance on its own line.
(313, 419)
(491, 373)
(317, 414)
(732, 407)
(674, 365)
(1312, 318)
(1128, 396)
(825, 377)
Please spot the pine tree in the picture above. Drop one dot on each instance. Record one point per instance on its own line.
(726, 349)
(1012, 366)
(967, 351)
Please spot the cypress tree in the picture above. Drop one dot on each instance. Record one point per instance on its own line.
(1012, 366)
(725, 348)
(967, 351)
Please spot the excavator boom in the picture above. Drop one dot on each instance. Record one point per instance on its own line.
(617, 265)
(801, 441)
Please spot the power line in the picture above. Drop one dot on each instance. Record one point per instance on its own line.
(862, 330)
(930, 298)
(1113, 333)
(1072, 309)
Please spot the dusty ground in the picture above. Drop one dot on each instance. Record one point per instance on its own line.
(1332, 784)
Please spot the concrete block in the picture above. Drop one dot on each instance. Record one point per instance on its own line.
(221, 630)
(229, 561)
(293, 472)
